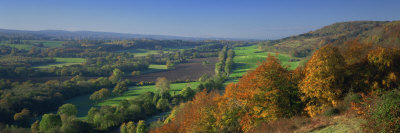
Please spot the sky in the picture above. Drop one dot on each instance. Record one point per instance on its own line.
(245, 19)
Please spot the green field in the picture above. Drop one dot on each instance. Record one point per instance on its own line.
(136, 91)
(34, 42)
(63, 62)
(18, 46)
(249, 57)
(84, 104)
(48, 43)
(141, 52)
(154, 68)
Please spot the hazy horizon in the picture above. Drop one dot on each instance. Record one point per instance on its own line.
(200, 19)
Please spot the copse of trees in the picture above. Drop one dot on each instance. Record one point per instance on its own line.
(225, 62)
(42, 97)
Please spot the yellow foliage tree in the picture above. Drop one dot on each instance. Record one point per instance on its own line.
(324, 76)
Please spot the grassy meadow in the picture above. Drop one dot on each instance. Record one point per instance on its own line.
(84, 104)
(33, 43)
(249, 57)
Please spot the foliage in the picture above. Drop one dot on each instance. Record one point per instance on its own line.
(141, 127)
(120, 88)
(67, 109)
(187, 93)
(162, 85)
(324, 77)
(100, 94)
(50, 122)
(163, 104)
(128, 127)
(116, 76)
(381, 113)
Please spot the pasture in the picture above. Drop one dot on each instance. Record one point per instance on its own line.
(84, 104)
(249, 57)
(46, 44)
(141, 52)
(190, 71)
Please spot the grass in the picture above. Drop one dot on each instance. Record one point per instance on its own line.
(249, 57)
(48, 43)
(154, 68)
(84, 104)
(141, 52)
(63, 62)
(32, 42)
(136, 91)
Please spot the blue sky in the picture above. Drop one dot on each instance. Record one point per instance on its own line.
(253, 19)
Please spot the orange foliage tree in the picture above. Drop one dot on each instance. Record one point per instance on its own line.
(264, 94)
(324, 77)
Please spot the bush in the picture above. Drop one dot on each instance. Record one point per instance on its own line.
(385, 115)
(348, 99)
(330, 111)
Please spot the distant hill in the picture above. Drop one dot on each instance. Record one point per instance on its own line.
(374, 32)
(91, 35)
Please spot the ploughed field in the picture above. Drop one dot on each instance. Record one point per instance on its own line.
(190, 71)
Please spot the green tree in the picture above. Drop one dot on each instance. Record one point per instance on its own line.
(116, 76)
(187, 93)
(73, 125)
(141, 127)
(162, 104)
(128, 127)
(120, 88)
(67, 109)
(50, 121)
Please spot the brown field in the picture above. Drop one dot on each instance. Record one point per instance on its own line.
(182, 72)
(188, 71)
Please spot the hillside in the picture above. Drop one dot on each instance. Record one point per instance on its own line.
(380, 33)
(350, 84)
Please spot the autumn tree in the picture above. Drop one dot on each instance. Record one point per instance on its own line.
(100, 94)
(162, 85)
(324, 77)
(135, 73)
(264, 94)
(116, 76)
(23, 116)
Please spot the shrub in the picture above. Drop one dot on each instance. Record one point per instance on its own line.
(384, 116)
(330, 111)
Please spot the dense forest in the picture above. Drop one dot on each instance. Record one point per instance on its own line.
(349, 69)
